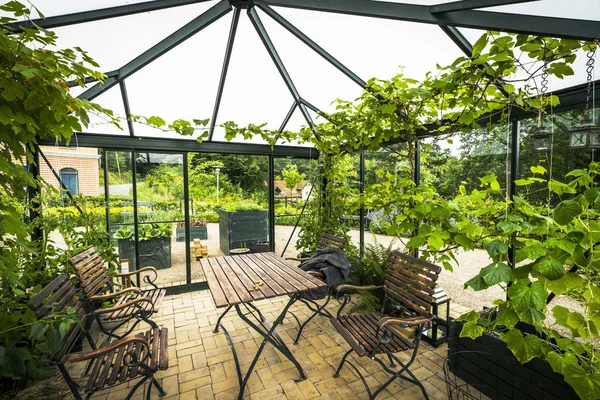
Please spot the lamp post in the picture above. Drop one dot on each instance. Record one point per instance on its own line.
(218, 171)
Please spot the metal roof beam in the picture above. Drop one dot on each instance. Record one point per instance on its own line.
(126, 107)
(495, 21)
(310, 43)
(162, 145)
(230, 40)
(103, 13)
(288, 117)
(472, 4)
(264, 36)
(314, 108)
(168, 43)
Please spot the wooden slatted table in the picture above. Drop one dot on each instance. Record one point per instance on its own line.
(237, 281)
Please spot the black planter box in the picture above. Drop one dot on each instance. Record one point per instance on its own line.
(260, 247)
(196, 232)
(241, 229)
(155, 253)
(487, 364)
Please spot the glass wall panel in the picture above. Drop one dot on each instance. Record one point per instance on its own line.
(78, 169)
(295, 183)
(228, 196)
(159, 186)
(559, 160)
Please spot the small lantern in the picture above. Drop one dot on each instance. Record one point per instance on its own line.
(587, 134)
(440, 308)
(541, 142)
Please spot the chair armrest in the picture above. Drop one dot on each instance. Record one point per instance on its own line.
(137, 272)
(73, 358)
(383, 322)
(316, 274)
(297, 258)
(130, 303)
(115, 294)
(354, 287)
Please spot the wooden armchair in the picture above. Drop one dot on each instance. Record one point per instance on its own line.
(96, 287)
(115, 361)
(325, 240)
(410, 284)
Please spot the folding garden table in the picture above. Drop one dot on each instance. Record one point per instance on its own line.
(237, 281)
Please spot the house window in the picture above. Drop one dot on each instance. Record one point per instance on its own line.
(70, 179)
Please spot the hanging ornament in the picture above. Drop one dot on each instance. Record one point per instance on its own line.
(587, 134)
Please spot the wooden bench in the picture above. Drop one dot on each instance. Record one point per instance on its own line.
(96, 287)
(115, 361)
(410, 285)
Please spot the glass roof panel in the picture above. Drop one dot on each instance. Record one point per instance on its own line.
(576, 9)
(254, 91)
(181, 84)
(51, 8)
(110, 99)
(114, 42)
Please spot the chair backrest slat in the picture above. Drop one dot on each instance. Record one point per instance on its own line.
(56, 297)
(39, 299)
(329, 240)
(412, 281)
(91, 271)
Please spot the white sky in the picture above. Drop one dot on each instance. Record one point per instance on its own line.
(183, 82)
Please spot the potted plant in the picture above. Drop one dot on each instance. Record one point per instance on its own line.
(241, 223)
(154, 245)
(197, 229)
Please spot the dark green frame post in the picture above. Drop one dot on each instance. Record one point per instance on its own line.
(186, 218)
(271, 180)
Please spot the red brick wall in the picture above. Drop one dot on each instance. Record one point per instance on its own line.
(87, 169)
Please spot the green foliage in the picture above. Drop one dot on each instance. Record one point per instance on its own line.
(35, 104)
(370, 270)
(551, 241)
(291, 176)
(145, 231)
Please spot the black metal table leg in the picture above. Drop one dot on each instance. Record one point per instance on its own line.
(269, 335)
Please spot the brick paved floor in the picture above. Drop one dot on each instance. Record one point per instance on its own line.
(201, 363)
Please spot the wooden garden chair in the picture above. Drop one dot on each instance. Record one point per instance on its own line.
(410, 284)
(97, 286)
(115, 361)
(325, 240)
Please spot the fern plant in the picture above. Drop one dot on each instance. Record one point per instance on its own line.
(371, 270)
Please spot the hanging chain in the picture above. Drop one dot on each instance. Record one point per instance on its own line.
(543, 90)
(589, 70)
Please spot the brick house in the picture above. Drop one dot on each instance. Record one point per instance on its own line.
(78, 168)
(282, 191)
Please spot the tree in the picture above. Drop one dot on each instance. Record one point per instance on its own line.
(292, 177)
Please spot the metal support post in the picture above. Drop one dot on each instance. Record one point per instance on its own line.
(514, 175)
(417, 183)
(271, 180)
(186, 217)
(33, 193)
(136, 230)
(361, 171)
